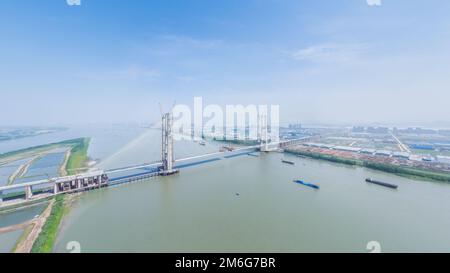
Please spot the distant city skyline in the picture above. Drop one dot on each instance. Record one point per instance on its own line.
(323, 62)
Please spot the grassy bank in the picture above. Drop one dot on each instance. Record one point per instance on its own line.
(46, 239)
(78, 156)
(327, 157)
(410, 172)
(398, 170)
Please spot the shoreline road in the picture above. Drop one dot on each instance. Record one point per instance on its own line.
(402, 146)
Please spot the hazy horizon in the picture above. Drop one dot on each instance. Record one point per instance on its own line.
(323, 62)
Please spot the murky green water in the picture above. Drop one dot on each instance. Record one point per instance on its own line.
(21, 215)
(9, 240)
(199, 211)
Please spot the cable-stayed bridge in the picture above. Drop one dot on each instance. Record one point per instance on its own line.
(24, 193)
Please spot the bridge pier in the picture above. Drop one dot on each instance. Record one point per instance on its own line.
(167, 146)
(28, 192)
(76, 183)
(104, 179)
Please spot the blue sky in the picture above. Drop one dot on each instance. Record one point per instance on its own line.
(321, 61)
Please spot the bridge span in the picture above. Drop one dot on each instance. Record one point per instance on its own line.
(95, 179)
(18, 194)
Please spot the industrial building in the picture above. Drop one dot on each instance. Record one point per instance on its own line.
(403, 155)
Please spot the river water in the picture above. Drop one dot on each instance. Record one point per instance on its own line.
(106, 140)
(8, 240)
(248, 203)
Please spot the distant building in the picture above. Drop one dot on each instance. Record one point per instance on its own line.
(347, 149)
(417, 131)
(414, 157)
(443, 159)
(421, 146)
(383, 153)
(319, 145)
(368, 151)
(402, 155)
(378, 130)
(428, 158)
(444, 132)
(359, 129)
(295, 126)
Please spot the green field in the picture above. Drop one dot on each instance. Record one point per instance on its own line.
(78, 156)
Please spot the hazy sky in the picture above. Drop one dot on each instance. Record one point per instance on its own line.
(322, 61)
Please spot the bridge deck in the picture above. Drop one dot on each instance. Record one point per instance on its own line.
(144, 170)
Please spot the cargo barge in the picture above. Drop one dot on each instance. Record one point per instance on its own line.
(392, 186)
(287, 162)
(307, 184)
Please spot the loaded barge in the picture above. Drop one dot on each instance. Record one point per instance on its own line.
(392, 186)
(307, 184)
(287, 162)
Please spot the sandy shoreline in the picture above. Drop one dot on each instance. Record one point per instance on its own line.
(63, 167)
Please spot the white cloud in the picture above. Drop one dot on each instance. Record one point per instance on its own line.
(137, 72)
(329, 53)
(314, 52)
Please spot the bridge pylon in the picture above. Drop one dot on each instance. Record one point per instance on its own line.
(167, 145)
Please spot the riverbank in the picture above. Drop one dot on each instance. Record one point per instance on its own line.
(77, 160)
(78, 156)
(394, 169)
(40, 234)
(33, 231)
